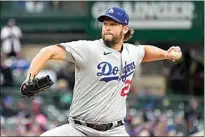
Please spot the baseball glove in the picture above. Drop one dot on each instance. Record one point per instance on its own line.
(32, 87)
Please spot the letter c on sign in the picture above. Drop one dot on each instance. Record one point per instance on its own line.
(125, 89)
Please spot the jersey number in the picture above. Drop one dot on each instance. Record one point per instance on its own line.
(125, 89)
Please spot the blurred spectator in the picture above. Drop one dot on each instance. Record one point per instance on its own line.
(36, 106)
(180, 125)
(19, 69)
(192, 126)
(7, 110)
(6, 72)
(148, 114)
(34, 130)
(64, 98)
(10, 37)
(20, 63)
(161, 126)
(35, 6)
(23, 110)
(145, 132)
(40, 119)
(171, 131)
(192, 110)
(56, 4)
(192, 115)
(160, 129)
(67, 72)
(62, 85)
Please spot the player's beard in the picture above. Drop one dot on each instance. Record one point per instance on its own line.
(115, 39)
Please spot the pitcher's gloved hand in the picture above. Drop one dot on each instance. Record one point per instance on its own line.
(32, 87)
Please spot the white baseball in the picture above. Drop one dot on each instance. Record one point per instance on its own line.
(175, 54)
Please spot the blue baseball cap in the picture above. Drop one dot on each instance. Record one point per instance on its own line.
(116, 14)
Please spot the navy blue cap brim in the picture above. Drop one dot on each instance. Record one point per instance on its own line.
(101, 18)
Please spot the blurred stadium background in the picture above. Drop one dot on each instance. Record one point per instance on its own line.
(166, 98)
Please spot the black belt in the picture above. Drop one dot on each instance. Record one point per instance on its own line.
(101, 127)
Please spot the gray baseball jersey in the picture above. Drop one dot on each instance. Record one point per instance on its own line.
(102, 79)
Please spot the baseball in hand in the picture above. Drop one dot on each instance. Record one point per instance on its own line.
(176, 55)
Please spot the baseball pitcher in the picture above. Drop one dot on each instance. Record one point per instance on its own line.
(103, 73)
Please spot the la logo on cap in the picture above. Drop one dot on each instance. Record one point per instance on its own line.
(111, 11)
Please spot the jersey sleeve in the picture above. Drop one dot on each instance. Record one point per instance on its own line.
(77, 51)
(140, 53)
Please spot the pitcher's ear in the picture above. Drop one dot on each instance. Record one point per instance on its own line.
(125, 29)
